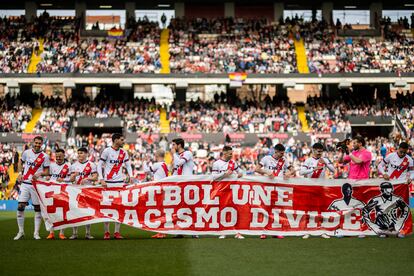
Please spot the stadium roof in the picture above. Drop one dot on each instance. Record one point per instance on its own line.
(142, 4)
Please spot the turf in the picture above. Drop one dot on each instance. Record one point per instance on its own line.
(140, 254)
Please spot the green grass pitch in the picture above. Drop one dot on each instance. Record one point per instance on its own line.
(141, 255)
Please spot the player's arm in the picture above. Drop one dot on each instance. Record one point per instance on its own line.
(93, 177)
(215, 171)
(239, 171)
(410, 172)
(73, 175)
(305, 170)
(329, 165)
(383, 166)
(148, 169)
(289, 170)
(100, 168)
(260, 170)
(183, 159)
(129, 170)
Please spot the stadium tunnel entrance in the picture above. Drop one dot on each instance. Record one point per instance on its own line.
(99, 131)
(109, 92)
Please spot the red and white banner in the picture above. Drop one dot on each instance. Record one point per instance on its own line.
(251, 205)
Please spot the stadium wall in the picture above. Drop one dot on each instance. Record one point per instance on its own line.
(107, 78)
(204, 11)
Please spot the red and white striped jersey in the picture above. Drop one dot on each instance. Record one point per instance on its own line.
(183, 163)
(84, 170)
(277, 166)
(111, 162)
(159, 170)
(221, 166)
(396, 167)
(33, 163)
(60, 171)
(308, 168)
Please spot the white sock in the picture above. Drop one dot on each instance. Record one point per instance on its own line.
(88, 230)
(20, 221)
(37, 222)
(117, 227)
(106, 226)
(75, 231)
(62, 232)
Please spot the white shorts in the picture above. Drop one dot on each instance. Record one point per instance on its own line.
(28, 192)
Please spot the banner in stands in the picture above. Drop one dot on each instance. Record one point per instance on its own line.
(22, 138)
(250, 205)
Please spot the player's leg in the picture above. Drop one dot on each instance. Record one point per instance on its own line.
(88, 235)
(38, 215)
(51, 235)
(20, 218)
(117, 234)
(23, 199)
(74, 233)
(107, 235)
(62, 234)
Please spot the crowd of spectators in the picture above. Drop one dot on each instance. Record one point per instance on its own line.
(230, 45)
(221, 45)
(269, 115)
(241, 116)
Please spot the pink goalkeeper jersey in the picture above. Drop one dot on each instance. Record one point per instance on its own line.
(359, 171)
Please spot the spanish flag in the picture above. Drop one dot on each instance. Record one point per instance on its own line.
(238, 76)
(115, 33)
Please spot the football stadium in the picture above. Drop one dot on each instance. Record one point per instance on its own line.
(210, 137)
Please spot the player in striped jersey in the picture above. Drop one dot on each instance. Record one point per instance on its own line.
(34, 163)
(397, 165)
(159, 169)
(275, 166)
(111, 175)
(83, 172)
(59, 173)
(316, 165)
(183, 163)
(225, 167)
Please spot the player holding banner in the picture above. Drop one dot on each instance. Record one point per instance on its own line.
(83, 172)
(275, 166)
(223, 168)
(34, 163)
(111, 175)
(59, 173)
(315, 167)
(183, 163)
(158, 170)
(397, 165)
